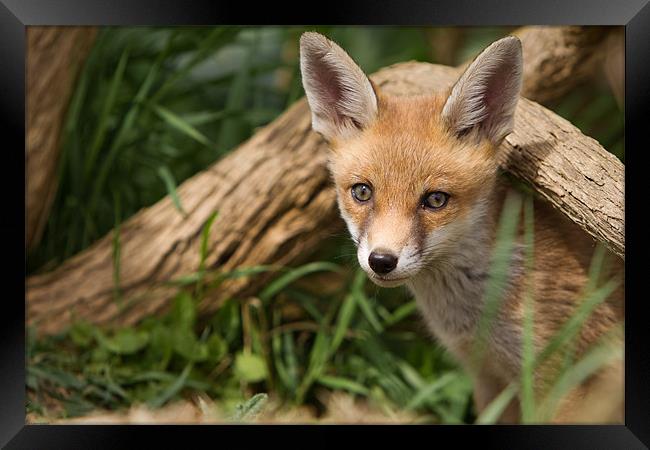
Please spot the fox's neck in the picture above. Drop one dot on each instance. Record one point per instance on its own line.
(449, 293)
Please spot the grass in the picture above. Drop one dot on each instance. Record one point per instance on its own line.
(561, 344)
(152, 107)
(239, 353)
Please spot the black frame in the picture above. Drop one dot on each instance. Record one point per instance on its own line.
(15, 15)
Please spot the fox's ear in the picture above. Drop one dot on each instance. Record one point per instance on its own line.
(341, 98)
(485, 96)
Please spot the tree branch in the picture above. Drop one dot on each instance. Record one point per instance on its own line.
(55, 56)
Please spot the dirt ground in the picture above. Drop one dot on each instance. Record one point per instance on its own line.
(339, 408)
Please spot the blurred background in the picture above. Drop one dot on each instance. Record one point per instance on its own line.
(153, 106)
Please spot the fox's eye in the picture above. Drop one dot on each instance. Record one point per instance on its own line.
(361, 192)
(435, 200)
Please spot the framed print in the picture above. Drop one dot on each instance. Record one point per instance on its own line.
(366, 214)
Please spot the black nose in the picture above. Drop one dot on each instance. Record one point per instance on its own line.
(382, 262)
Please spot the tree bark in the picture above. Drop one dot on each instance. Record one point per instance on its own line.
(276, 204)
(557, 59)
(55, 56)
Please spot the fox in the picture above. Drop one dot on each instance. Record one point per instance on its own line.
(419, 187)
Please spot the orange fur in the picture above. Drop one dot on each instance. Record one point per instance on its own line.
(408, 143)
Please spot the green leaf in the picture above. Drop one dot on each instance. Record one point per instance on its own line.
(126, 341)
(183, 314)
(82, 333)
(188, 346)
(251, 408)
(100, 354)
(250, 367)
(228, 321)
(160, 346)
(217, 348)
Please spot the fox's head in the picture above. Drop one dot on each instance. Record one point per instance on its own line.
(412, 174)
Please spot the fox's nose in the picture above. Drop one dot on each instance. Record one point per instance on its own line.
(382, 262)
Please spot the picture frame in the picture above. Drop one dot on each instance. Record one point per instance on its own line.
(16, 15)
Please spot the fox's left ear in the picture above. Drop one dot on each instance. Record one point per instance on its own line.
(485, 96)
(340, 95)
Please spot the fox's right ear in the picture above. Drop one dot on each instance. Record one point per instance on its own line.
(340, 95)
(485, 96)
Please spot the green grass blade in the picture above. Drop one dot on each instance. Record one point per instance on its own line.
(318, 356)
(181, 125)
(528, 350)
(205, 234)
(109, 102)
(345, 317)
(411, 375)
(170, 185)
(493, 411)
(117, 252)
(343, 384)
(368, 311)
(572, 326)
(282, 282)
(402, 312)
(427, 392)
(346, 313)
(499, 270)
(204, 117)
(173, 389)
(594, 360)
(276, 347)
(125, 127)
(317, 360)
(291, 359)
(216, 39)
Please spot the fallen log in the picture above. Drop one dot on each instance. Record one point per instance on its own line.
(276, 205)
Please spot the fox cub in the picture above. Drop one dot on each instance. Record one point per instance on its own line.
(418, 186)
